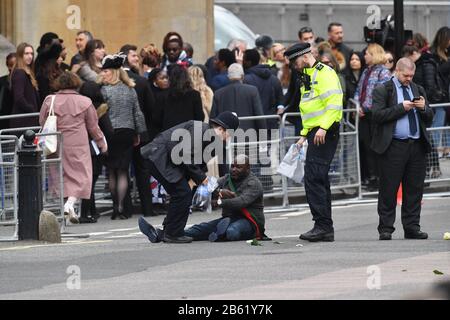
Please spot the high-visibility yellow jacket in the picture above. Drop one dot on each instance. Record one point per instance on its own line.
(322, 104)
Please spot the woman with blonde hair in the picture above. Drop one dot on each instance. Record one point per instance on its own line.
(375, 74)
(128, 123)
(24, 87)
(197, 77)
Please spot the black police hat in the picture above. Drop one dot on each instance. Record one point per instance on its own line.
(297, 50)
(227, 120)
(115, 61)
(264, 41)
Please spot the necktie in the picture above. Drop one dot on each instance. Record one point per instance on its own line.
(411, 114)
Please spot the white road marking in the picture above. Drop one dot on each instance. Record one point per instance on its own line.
(93, 234)
(123, 230)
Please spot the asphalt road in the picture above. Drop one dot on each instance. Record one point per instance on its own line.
(117, 262)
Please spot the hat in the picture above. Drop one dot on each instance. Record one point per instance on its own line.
(115, 61)
(297, 50)
(265, 42)
(235, 71)
(227, 120)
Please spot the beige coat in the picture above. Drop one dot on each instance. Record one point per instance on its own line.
(77, 120)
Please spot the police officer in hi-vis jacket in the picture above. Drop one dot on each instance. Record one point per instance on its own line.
(321, 109)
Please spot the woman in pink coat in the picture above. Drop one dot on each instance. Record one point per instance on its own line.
(77, 121)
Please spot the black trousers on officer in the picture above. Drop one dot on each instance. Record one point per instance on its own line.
(317, 182)
(180, 203)
(404, 162)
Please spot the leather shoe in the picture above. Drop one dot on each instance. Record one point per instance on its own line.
(317, 235)
(385, 236)
(416, 235)
(146, 228)
(177, 240)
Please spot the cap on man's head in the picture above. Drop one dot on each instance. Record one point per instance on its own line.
(265, 42)
(227, 120)
(297, 50)
(115, 61)
(235, 71)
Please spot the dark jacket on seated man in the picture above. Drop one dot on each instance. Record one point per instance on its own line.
(250, 196)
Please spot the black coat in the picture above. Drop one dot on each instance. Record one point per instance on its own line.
(269, 88)
(157, 112)
(146, 100)
(6, 101)
(159, 152)
(177, 109)
(428, 76)
(386, 111)
(26, 99)
(244, 100)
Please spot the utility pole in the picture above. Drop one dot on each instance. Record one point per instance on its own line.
(399, 27)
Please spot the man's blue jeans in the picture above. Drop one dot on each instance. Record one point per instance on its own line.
(239, 230)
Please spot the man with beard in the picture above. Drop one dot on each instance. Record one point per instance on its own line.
(241, 198)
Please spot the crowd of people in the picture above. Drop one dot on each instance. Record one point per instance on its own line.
(124, 101)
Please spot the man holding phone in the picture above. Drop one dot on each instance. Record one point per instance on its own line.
(401, 141)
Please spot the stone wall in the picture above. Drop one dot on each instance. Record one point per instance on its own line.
(116, 22)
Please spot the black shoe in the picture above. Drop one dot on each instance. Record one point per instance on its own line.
(147, 229)
(317, 235)
(416, 235)
(87, 220)
(385, 236)
(178, 240)
(221, 230)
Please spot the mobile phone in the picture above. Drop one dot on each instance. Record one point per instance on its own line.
(416, 99)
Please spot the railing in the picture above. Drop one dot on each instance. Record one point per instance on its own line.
(52, 178)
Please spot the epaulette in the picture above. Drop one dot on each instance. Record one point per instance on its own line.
(319, 66)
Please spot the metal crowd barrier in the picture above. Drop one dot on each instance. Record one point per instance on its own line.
(9, 219)
(52, 178)
(264, 154)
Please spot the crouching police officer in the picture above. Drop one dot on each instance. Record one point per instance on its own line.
(321, 109)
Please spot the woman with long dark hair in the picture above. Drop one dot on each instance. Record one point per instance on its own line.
(93, 55)
(181, 103)
(24, 87)
(49, 69)
(441, 54)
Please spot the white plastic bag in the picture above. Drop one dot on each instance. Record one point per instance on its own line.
(49, 144)
(203, 196)
(293, 164)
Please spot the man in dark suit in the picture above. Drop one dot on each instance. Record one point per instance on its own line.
(147, 103)
(244, 100)
(401, 115)
(177, 156)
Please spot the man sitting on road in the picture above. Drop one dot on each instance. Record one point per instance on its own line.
(241, 198)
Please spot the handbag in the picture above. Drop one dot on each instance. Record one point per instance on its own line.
(49, 144)
(293, 164)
